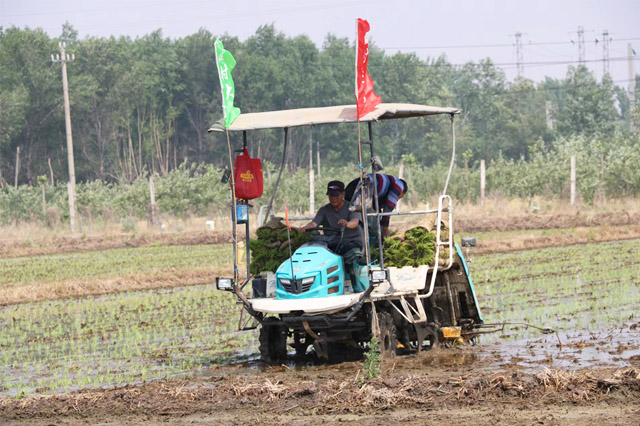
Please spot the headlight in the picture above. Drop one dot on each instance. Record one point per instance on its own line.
(378, 275)
(224, 283)
(308, 280)
(285, 281)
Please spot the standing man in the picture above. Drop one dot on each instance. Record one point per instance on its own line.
(390, 189)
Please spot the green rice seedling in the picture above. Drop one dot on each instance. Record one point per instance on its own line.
(541, 285)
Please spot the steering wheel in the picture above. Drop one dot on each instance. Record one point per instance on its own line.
(327, 229)
(329, 234)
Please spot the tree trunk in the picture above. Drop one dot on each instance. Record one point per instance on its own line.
(51, 182)
(100, 149)
(131, 157)
(195, 123)
(140, 122)
(17, 166)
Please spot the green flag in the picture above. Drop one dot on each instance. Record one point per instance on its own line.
(226, 63)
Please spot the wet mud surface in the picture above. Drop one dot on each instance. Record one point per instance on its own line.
(590, 377)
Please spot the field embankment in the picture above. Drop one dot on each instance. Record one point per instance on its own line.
(536, 231)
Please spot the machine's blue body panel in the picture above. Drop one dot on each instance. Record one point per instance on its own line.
(466, 271)
(315, 262)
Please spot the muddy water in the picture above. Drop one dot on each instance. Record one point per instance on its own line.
(614, 348)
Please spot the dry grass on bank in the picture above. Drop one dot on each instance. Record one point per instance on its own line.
(498, 214)
(60, 289)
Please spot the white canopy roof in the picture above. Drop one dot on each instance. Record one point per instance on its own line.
(327, 115)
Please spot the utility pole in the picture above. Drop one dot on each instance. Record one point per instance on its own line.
(312, 189)
(581, 45)
(632, 77)
(605, 51)
(519, 61)
(548, 110)
(63, 58)
(573, 180)
(318, 156)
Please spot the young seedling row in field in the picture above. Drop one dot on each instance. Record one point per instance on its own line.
(573, 288)
(97, 264)
(110, 340)
(130, 337)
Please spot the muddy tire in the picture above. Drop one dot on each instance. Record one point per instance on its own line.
(273, 341)
(301, 341)
(388, 335)
(434, 336)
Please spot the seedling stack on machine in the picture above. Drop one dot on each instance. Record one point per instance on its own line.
(409, 292)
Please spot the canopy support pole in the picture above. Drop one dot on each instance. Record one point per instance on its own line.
(453, 154)
(363, 201)
(232, 187)
(375, 199)
(275, 188)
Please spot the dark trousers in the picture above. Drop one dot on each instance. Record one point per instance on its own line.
(350, 251)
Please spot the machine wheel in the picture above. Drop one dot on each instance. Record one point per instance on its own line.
(301, 342)
(273, 341)
(388, 335)
(434, 335)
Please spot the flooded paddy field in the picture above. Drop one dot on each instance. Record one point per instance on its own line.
(176, 351)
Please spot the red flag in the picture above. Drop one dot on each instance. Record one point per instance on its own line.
(286, 215)
(366, 99)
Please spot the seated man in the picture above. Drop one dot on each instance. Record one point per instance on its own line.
(390, 190)
(337, 214)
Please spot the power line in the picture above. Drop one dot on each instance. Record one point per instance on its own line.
(474, 46)
(544, 63)
(504, 65)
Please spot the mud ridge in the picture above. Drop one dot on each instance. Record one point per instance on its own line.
(298, 394)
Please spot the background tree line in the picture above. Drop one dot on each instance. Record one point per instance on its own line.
(142, 106)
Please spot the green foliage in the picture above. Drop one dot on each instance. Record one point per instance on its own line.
(191, 190)
(588, 107)
(372, 360)
(144, 105)
(415, 249)
(20, 204)
(271, 248)
(605, 166)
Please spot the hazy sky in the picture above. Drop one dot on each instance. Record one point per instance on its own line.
(464, 30)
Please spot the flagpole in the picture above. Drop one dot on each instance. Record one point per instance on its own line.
(228, 117)
(365, 220)
(233, 211)
(362, 197)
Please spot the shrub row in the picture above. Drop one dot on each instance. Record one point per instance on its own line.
(196, 189)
